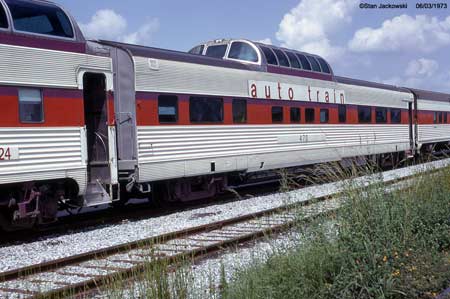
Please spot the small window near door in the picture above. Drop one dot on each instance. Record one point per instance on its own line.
(309, 115)
(277, 114)
(168, 109)
(381, 115)
(30, 105)
(295, 115)
(396, 116)
(342, 113)
(239, 111)
(324, 116)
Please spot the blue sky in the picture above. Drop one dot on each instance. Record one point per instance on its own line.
(406, 47)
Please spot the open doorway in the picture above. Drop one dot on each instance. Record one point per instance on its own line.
(96, 119)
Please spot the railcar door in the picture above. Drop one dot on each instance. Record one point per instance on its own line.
(100, 143)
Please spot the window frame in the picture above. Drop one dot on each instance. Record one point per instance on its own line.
(299, 115)
(327, 115)
(400, 114)
(313, 120)
(41, 92)
(282, 114)
(207, 122)
(265, 56)
(371, 118)
(7, 16)
(309, 68)
(274, 50)
(225, 54)
(177, 109)
(246, 110)
(386, 115)
(342, 106)
(258, 52)
(69, 18)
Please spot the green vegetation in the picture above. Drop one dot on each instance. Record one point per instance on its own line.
(383, 245)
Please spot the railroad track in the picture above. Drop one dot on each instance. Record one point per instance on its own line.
(76, 274)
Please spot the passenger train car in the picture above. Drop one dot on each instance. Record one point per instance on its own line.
(85, 123)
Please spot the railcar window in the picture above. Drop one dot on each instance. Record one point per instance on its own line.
(440, 117)
(30, 105)
(206, 110)
(282, 59)
(197, 50)
(315, 65)
(243, 51)
(445, 117)
(364, 114)
(168, 109)
(309, 115)
(435, 117)
(324, 65)
(216, 51)
(342, 113)
(381, 115)
(239, 111)
(324, 116)
(293, 60)
(3, 18)
(40, 18)
(396, 116)
(277, 114)
(295, 115)
(305, 63)
(270, 57)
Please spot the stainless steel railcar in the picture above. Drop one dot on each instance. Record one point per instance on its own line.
(86, 123)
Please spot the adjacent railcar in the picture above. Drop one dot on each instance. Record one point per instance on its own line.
(86, 123)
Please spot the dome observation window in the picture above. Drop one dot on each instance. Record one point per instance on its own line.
(315, 65)
(305, 63)
(282, 59)
(217, 51)
(270, 57)
(243, 51)
(197, 50)
(40, 18)
(324, 65)
(293, 60)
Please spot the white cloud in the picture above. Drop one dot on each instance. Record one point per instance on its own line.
(266, 41)
(422, 67)
(423, 33)
(306, 27)
(107, 24)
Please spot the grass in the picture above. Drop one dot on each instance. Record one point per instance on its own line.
(386, 245)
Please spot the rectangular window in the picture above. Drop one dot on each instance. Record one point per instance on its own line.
(31, 108)
(295, 115)
(440, 117)
(435, 117)
(277, 114)
(381, 115)
(342, 111)
(324, 116)
(309, 115)
(364, 114)
(239, 111)
(168, 109)
(445, 117)
(396, 116)
(206, 110)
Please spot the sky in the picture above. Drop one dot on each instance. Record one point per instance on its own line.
(405, 47)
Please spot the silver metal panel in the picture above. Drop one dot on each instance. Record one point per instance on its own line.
(433, 105)
(33, 66)
(249, 146)
(434, 133)
(190, 78)
(44, 153)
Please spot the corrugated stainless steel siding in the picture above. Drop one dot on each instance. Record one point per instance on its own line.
(44, 153)
(433, 133)
(190, 78)
(33, 66)
(168, 147)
